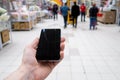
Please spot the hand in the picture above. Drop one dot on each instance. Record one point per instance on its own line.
(39, 70)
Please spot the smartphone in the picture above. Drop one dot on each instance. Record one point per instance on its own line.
(49, 45)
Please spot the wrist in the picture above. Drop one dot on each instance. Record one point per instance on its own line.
(22, 73)
(26, 73)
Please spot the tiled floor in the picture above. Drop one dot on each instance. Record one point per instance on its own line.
(89, 55)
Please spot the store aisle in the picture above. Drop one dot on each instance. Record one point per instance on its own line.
(89, 55)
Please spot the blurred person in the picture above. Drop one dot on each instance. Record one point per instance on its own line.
(93, 16)
(75, 12)
(30, 68)
(83, 11)
(64, 11)
(55, 11)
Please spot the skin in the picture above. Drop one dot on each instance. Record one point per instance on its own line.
(30, 68)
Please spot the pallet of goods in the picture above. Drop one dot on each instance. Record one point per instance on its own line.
(25, 21)
(22, 25)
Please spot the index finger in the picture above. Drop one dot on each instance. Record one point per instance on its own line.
(62, 39)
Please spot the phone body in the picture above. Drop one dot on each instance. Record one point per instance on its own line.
(49, 45)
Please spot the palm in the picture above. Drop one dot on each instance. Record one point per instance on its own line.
(43, 70)
(40, 69)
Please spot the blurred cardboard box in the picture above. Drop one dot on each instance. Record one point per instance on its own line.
(5, 36)
(107, 17)
(118, 3)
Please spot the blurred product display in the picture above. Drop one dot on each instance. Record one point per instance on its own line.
(108, 11)
(25, 14)
(5, 27)
(2, 11)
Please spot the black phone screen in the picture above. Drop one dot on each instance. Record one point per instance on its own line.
(49, 45)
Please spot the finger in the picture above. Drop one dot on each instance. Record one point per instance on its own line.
(62, 39)
(35, 42)
(62, 46)
(61, 55)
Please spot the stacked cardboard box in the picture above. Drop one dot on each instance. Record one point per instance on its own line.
(118, 3)
(22, 25)
(38, 19)
(5, 36)
(16, 25)
(35, 21)
(29, 25)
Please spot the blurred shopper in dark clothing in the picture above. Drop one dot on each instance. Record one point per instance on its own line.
(93, 16)
(75, 13)
(83, 11)
(64, 11)
(55, 11)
